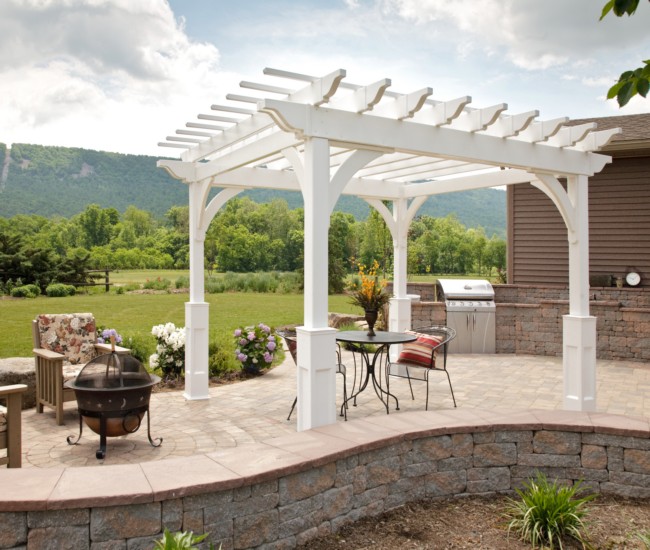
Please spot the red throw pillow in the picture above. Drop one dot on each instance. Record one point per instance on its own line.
(419, 352)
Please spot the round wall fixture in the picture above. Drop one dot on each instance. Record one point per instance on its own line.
(633, 278)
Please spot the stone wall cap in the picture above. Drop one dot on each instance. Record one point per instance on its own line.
(111, 485)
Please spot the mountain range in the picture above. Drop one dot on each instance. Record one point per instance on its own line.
(62, 181)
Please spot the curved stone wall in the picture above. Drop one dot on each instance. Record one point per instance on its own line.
(287, 490)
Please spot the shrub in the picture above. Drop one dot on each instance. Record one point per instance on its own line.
(547, 512)
(157, 284)
(119, 290)
(182, 282)
(170, 350)
(256, 346)
(220, 359)
(141, 347)
(214, 286)
(131, 286)
(10, 285)
(233, 282)
(60, 290)
(180, 541)
(290, 283)
(26, 291)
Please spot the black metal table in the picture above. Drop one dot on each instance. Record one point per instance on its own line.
(382, 342)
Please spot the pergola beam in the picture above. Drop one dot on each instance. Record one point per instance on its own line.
(420, 139)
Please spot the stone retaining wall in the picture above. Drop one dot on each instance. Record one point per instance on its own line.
(529, 320)
(288, 490)
(20, 370)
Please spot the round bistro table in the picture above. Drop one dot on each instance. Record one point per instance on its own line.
(382, 342)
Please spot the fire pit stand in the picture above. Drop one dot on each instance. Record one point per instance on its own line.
(113, 392)
(130, 422)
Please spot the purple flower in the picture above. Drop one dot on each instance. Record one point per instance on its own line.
(105, 337)
(238, 332)
(242, 357)
(243, 342)
(268, 357)
(251, 336)
(270, 346)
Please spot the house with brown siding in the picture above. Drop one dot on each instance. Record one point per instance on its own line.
(531, 305)
(619, 216)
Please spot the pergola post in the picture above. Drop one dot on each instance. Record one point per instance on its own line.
(197, 318)
(579, 328)
(400, 305)
(316, 341)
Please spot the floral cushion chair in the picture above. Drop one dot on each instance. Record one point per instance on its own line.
(63, 344)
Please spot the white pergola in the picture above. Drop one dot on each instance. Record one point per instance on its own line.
(323, 137)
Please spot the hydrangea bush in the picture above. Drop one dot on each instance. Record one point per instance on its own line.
(255, 346)
(170, 350)
(105, 336)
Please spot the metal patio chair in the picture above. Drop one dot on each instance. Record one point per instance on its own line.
(291, 340)
(418, 359)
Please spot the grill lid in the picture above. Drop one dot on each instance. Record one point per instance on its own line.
(466, 289)
(112, 370)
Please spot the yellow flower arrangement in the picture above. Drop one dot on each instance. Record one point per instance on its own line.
(370, 292)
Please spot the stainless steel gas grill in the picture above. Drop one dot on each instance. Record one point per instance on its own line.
(471, 311)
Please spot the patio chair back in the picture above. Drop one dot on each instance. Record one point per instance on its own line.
(418, 359)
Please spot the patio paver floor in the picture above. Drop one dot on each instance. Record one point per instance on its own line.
(256, 410)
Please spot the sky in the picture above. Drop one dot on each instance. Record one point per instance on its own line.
(121, 75)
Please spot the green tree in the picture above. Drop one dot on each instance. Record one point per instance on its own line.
(95, 223)
(376, 243)
(141, 221)
(12, 257)
(477, 245)
(179, 218)
(339, 250)
(74, 267)
(631, 82)
(495, 252)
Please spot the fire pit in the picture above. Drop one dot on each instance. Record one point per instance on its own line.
(113, 392)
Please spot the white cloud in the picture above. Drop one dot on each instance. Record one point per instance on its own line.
(80, 72)
(532, 34)
(120, 75)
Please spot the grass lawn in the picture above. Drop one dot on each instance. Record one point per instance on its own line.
(135, 314)
(126, 277)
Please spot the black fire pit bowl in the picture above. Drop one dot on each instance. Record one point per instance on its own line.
(113, 393)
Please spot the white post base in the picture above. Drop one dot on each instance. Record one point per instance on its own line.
(399, 321)
(316, 377)
(197, 326)
(579, 360)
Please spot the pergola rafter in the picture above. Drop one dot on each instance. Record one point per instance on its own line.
(323, 136)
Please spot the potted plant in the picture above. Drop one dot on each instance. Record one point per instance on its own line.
(369, 293)
(255, 347)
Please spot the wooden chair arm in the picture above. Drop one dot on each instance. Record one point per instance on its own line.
(106, 348)
(47, 354)
(13, 389)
